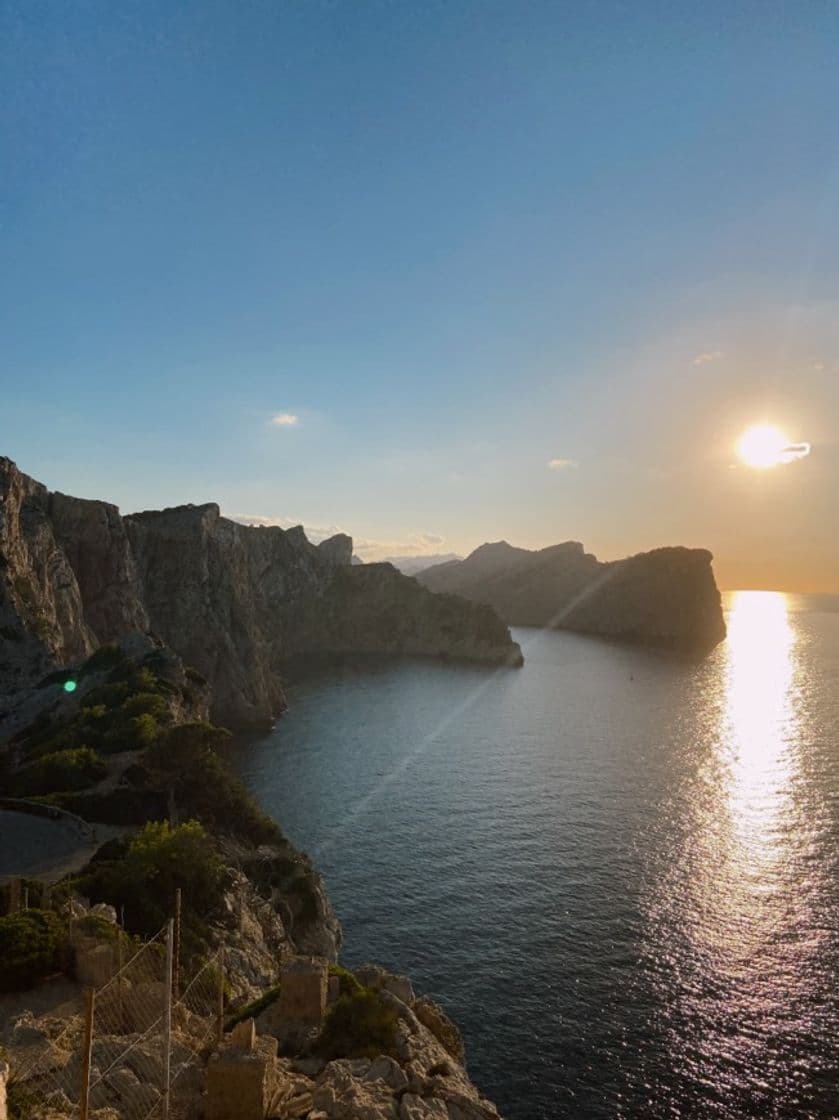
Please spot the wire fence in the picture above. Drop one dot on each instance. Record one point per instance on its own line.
(138, 1046)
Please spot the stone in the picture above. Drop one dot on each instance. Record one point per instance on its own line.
(432, 1016)
(237, 1085)
(303, 990)
(4, 1078)
(341, 1093)
(333, 990)
(390, 1072)
(373, 976)
(105, 912)
(243, 1035)
(144, 1004)
(94, 964)
(412, 1107)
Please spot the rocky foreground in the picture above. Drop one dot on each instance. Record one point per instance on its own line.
(667, 597)
(129, 745)
(234, 601)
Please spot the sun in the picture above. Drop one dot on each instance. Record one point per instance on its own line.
(763, 445)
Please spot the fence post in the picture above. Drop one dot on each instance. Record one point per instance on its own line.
(176, 961)
(84, 1095)
(220, 998)
(120, 962)
(167, 1017)
(26, 898)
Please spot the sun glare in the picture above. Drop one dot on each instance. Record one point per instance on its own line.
(764, 445)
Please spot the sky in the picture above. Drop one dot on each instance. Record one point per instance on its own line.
(431, 273)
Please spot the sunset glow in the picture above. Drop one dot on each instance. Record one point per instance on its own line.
(765, 445)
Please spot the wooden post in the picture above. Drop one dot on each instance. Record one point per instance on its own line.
(87, 1052)
(167, 1018)
(119, 979)
(220, 998)
(26, 898)
(176, 959)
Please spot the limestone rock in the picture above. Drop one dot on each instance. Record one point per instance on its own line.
(342, 1095)
(378, 978)
(235, 602)
(431, 1015)
(667, 597)
(412, 1107)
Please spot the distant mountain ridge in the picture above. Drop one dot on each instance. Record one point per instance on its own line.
(410, 565)
(666, 597)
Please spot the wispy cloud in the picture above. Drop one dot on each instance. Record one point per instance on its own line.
(413, 544)
(819, 367)
(284, 420)
(707, 356)
(562, 464)
(794, 451)
(315, 533)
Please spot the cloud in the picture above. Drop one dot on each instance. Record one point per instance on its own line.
(414, 544)
(315, 533)
(794, 451)
(708, 356)
(562, 464)
(284, 420)
(819, 367)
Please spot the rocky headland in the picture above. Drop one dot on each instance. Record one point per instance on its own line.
(235, 602)
(667, 597)
(130, 745)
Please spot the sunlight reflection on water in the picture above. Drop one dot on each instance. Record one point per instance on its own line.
(731, 909)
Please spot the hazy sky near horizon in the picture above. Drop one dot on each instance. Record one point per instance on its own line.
(431, 273)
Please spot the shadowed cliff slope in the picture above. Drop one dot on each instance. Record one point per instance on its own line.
(232, 600)
(666, 597)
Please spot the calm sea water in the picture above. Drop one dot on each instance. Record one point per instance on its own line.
(617, 869)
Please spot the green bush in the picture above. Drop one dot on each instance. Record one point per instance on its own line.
(186, 760)
(347, 980)
(106, 659)
(66, 770)
(359, 1025)
(31, 947)
(143, 875)
(252, 1009)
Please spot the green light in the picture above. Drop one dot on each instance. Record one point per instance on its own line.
(69, 686)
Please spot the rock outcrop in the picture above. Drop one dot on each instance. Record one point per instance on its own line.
(234, 601)
(667, 597)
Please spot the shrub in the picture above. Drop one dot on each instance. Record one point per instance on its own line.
(252, 1009)
(359, 1025)
(72, 769)
(347, 980)
(143, 880)
(106, 659)
(187, 760)
(31, 947)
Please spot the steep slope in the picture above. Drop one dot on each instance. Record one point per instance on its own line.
(666, 597)
(232, 600)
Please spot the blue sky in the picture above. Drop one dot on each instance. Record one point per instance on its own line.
(457, 241)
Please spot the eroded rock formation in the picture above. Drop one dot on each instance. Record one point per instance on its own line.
(234, 601)
(666, 597)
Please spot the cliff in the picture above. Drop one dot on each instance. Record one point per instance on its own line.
(667, 597)
(234, 601)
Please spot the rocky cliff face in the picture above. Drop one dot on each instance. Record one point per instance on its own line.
(665, 597)
(234, 601)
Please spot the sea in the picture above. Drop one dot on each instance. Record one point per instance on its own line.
(617, 869)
